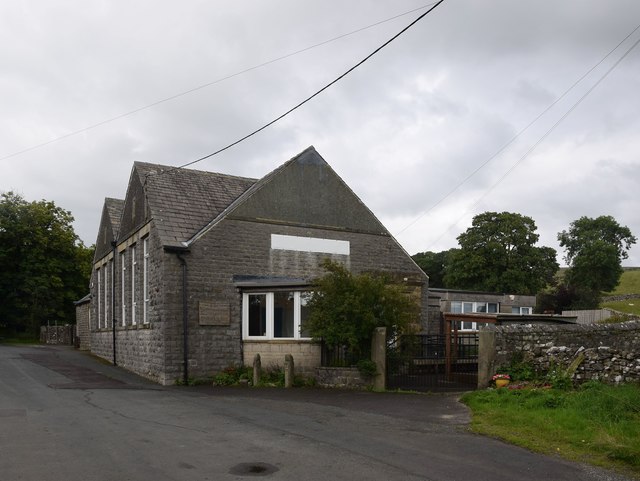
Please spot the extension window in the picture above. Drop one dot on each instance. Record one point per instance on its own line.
(275, 315)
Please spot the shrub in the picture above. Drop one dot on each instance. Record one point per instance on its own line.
(367, 368)
(346, 308)
(231, 375)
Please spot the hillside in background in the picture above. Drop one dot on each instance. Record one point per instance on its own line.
(629, 285)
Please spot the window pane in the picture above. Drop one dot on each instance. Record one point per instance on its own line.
(467, 307)
(492, 307)
(467, 326)
(481, 307)
(257, 314)
(525, 310)
(456, 307)
(305, 297)
(283, 306)
(515, 310)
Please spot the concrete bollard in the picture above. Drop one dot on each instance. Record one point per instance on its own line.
(289, 371)
(257, 368)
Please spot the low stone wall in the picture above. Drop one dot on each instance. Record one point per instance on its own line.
(306, 354)
(605, 352)
(342, 377)
(57, 335)
(620, 297)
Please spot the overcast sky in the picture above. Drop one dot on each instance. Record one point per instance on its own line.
(404, 130)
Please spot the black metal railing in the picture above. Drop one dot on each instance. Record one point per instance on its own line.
(433, 362)
(338, 356)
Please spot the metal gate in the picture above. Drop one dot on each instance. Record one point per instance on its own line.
(434, 363)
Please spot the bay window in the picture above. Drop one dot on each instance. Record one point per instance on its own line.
(275, 315)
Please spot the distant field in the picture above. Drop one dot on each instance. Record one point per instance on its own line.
(629, 284)
(632, 306)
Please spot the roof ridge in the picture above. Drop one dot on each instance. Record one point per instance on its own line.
(170, 169)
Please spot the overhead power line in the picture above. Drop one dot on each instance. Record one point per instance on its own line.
(209, 84)
(517, 135)
(318, 92)
(544, 136)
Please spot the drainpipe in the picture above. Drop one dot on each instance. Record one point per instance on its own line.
(113, 300)
(185, 313)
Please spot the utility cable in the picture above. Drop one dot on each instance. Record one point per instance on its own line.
(513, 139)
(318, 92)
(541, 139)
(209, 84)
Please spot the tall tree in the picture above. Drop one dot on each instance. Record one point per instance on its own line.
(498, 254)
(594, 250)
(434, 265)
(45, 267)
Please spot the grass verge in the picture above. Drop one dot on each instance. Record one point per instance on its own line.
(631, 306)
(19, 340)
(596, 424)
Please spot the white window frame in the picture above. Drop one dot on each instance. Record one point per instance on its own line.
(99, 281)
(522, 311)
(269, 335)
(123, 290)
(134, 302)
(106, 296)
(474, 307)
(145, 280)
(474, 326)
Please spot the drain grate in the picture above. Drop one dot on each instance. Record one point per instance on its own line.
(253, 469)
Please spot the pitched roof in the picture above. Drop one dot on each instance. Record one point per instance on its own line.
(183, 201)
(114, 210)
(305, 160)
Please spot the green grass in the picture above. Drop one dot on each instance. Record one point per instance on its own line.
(19, 340)
(596, 424)
(631, 306)
(629, 282)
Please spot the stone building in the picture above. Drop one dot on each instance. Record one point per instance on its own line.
(196, 271)
(83, 321)
(469, 308)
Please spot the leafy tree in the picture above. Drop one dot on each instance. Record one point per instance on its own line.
(346, 308)
(564, 297)
(498, 254)
(594, 251)
(434, 265)
(45, 267)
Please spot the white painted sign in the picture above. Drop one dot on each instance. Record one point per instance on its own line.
(310, 244)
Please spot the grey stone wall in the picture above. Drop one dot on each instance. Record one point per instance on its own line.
(83, 333)
(605, 352)
(63, 335)
(342, 377)
(139, 348)
(231, 248)
(236, 247)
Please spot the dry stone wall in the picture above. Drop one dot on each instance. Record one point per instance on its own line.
(57, 334)
(604, 352)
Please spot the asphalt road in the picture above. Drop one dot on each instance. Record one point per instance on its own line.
(66, 416)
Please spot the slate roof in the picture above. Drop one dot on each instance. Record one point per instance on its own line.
(114, 210)
(183, 201)
(257, 185)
